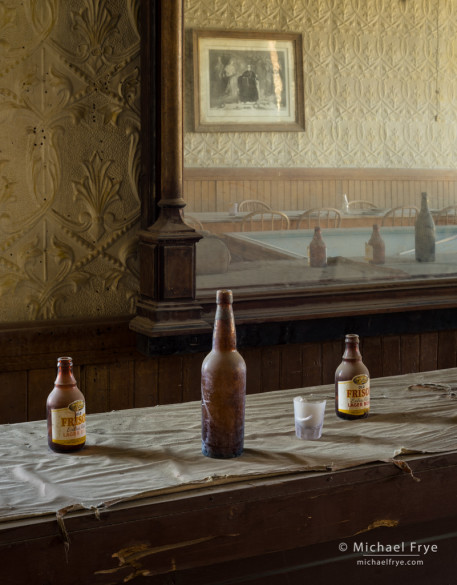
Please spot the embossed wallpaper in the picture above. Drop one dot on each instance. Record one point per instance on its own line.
(69, 158)
(380, 84)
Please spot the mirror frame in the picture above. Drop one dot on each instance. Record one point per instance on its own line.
(161, 187)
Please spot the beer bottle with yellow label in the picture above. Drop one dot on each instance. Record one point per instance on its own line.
(352, 383)
(66, 411)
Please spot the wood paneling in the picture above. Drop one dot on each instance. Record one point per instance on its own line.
(121, 385)
(428, 351)
(191, 376)
(270, 359)
(253, 370)
(371, 348)
(13, 391)
(331, 359)
(126, 379)
(40, 384)
(170, 381)
(311, 364)
(447, 349)
(391, 355)
(94, 384)
(289, 189)
(410, 348)
(146, 385)
(291, 366)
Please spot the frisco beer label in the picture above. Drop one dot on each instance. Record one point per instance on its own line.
(69, 424)
(354, 395)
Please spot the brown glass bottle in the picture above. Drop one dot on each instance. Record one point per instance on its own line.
(352, 383)
(317, 250)
(375, 249)
(424, 233)
(223, 385)
(66, 411)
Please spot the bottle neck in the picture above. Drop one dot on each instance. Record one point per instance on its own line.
(65, 375)
(351, 351)
(224, 333)
(424, 202)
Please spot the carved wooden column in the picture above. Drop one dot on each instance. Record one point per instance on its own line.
(167, 247)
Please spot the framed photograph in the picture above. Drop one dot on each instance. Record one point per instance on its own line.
(248, 81)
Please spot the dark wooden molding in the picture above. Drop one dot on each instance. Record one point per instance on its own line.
(167, 246)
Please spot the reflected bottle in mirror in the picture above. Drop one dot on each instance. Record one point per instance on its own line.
(317, 250)
(375, 248)
(424, 232)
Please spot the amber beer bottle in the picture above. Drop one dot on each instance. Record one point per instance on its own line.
(375, 248)
(317, 250)
(66, 411)
(352, 383)
(223, 386)
(424, 233)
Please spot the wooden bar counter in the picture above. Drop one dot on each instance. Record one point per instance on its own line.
(141, 504)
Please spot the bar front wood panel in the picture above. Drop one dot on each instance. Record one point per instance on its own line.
(199, 528)
(302, 188)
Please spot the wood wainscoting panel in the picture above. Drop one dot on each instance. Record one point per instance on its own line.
(40, 384)
(121, 385)
(123, 378)
(13, 393)
(215, 189)
(146, 386)
(391, 355)
(311, 364)
(291, 366)
(191, 376)
(95, 385)
(428, 359)
(447, 349)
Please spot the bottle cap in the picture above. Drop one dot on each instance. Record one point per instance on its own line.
(352, 337)
(224, 297)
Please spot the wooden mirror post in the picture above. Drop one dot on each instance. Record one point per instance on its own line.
(167, 245)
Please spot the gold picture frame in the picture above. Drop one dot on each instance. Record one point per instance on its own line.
(248, 81)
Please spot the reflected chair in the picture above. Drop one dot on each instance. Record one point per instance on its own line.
(361, 204)
(265, 220)
(326, 217)
(446, 216)
(400, 216)
(253, 205)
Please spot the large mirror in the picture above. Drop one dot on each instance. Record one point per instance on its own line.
(379, 85)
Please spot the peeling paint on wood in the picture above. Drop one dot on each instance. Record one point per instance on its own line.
(130, 556)
(378, 524)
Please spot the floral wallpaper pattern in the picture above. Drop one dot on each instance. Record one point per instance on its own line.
(69, 158)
